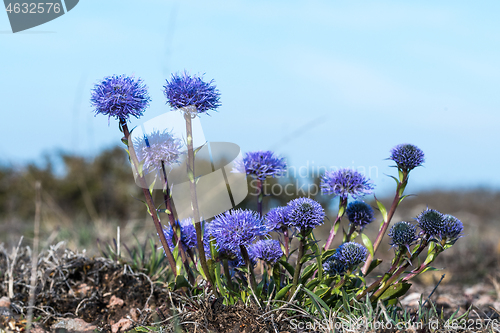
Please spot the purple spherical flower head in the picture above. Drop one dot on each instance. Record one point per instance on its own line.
(407, 156)
(351, 254)
(156, 148)
(236, 228)
(305, 213)
(453, 228)
(188, 234)
(277, 218)
(184, 90)
(261, 164)
(268, 250)
(120, 97)
(403, 234)
(360, 213)
(432, 223)
(345, 182)
(332, 266)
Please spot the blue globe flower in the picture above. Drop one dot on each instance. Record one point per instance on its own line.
(407, 156)
(268, 250)
(403, 234)
(236, 228)
(345, 182)
(277, 218)
(360, 213)
(332, 266)
(453, 228)
(432, 223)
(305, 213)
(351, 254)
(188, 234)
(156, 148)
(120, 97)
(347, 256)
(184, 90)
(261, 164)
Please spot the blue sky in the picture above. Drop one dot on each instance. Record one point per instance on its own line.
(323, 83)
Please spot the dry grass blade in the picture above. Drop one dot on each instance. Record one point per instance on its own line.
(10, 268)
(34, 255)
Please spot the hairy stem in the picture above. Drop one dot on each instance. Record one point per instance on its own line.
(246, 257)
(287, 241)
(298, 265)
(194, 201)
(149, 199)
(383, 278)
(227, 274)
(385, 225)
(171, 218)
(260, 196)
(399, 271)
(333, 231)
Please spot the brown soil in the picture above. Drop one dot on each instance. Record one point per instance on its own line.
(111, 296)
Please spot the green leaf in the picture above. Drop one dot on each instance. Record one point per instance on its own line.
(180, 282)
(178, 258)
(397, 180)
(318, 302)
(313, 283)
(218, 281)
(327, 254)
(283, 291)
(404, 197)
(308, 272)
(321, 292)
(368, 244)
(319, 257)
(429, 268)
(288, 267)
(199, 148)
(382, 209)
(395, 291)
(190, 176)
(260, 286)
(402, 189)
(401, 175)
(372, 266)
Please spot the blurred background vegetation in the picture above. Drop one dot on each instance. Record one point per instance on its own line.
(86, 202)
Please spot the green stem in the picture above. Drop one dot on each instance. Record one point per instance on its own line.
(149, 199)
(171, 218)
(248, 263)
(298, 265)
(194, 201)
(227, 274)
(260, 196)
(352, 229)
(333, 231)
(399, 271)
(397, 198)
(383, 278)
(287, 241)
